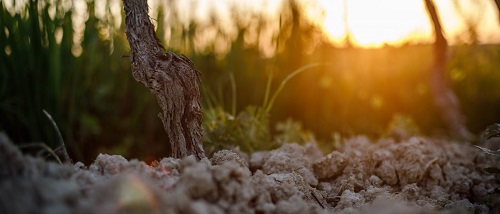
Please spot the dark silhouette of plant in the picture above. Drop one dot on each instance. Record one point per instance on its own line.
(444, 97)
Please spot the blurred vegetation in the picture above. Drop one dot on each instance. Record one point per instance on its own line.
(70, 58)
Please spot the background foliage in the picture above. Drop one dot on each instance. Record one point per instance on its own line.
(70, 58)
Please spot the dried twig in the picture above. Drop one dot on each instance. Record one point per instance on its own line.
(43, 146)
(426, 168)
(317, 200)
(61, 141)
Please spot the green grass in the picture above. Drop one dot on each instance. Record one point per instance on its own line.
(250, 129)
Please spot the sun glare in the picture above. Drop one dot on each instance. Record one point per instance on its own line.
(375, 23)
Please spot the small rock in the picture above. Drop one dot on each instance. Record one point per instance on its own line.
(330, 166)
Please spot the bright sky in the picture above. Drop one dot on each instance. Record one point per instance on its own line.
(375, 22)
(371, 23)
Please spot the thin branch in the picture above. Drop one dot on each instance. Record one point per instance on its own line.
(43, 146)
(61, 141)
(317, 200)
(438, 30)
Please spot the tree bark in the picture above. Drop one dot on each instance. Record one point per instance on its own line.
(444, 97)
(497, 3)
(172, 78)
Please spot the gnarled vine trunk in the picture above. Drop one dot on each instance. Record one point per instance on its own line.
(173, 79)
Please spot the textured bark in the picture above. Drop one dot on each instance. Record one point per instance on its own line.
(445, 98)
(173, 79)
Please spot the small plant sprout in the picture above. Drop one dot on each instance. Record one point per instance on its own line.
(250, 128)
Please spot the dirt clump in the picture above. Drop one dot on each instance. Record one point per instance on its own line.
(417, 175)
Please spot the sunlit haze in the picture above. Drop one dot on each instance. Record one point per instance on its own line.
(366, 23)
(373, 23)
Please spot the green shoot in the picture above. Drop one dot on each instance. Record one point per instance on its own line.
(270, 79)
(268, 107)
(233, 93)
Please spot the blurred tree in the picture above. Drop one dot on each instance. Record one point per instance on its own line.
(497, 3)
(444, 97)
(471, 21)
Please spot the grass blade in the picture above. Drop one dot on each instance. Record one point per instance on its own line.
(283, 83)
(61, 141)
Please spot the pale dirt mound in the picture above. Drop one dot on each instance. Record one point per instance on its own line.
(417, 175)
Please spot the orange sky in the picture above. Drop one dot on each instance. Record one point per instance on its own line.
(373, 23)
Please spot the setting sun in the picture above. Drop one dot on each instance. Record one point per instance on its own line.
(375, 23)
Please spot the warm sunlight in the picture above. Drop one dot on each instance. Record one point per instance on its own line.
(375, 23)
